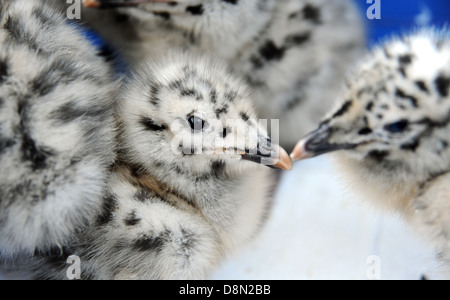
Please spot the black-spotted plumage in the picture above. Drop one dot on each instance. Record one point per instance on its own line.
(398, 124)
(56, 139)
(166, 214)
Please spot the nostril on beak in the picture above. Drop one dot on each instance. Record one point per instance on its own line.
(269, 154)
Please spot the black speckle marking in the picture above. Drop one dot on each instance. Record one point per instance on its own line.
(413, 100)
(443, 147)
(135, 170)
(293, 103)
(176, 85)
(203, 178)
(270, 51)
(154, 95)
(3, 71)
(366, 121)
(442, 85)
(37, 156)
(225, 133)
(234, 2)
(43, 16)
(151, 243)
(218, 168)
(213, 96)
(187, 93)
(244, 116)
(107, 53)
(312, 14)
(412, 146)
(132, 219)
(197, 10)
(164, 15)
(293, 15)
(5, 144)
(30, 152)
(378, 156)
(186, 243)
(142, 195)
(220, 111)
(370, 106)
(343, 109)
(191, 36)
(43, 85)
(149, 124)
(13, 27)
(297, 39)
(109, 207)
(422, 86)
(365, 131)
(256, 62)
(69, 112)
(58, 72)
(191, 93)
(405, 59)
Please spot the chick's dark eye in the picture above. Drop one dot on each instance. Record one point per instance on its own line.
(397, 127)
(196, 124)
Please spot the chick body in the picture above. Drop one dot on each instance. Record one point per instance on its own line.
(56, 128)
(391, 128)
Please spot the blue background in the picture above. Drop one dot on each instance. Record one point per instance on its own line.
(403, 16)
(397, 17)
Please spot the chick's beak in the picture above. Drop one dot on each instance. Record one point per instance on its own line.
(317, 143)
(117, 3)
(270, 155)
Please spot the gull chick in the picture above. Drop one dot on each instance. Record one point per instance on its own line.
(189, 185)
(56, 128)
(392, 132)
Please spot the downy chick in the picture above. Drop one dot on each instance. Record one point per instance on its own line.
(56, 128)
(392, 129)
(188, 186)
